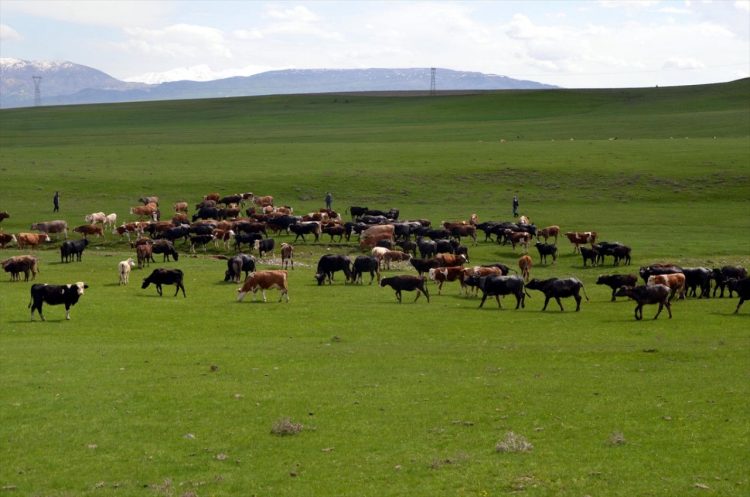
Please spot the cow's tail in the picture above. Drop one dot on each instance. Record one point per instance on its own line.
(584, 292)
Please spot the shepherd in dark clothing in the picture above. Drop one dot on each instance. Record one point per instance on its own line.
(329, 200)
(515, 205)
(56, 201)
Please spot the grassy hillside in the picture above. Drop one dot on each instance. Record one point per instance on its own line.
(141, 395)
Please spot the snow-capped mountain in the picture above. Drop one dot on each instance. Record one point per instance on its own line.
(68, 83)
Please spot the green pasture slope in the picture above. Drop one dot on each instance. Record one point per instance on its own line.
(172, 396)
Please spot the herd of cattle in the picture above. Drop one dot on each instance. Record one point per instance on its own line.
(387, 240)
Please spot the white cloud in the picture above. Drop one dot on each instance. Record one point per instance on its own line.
(743, 5)
(117, 13)
(199, 72)
(630, 4)
(683, 63)
(178, 41)
(299, 13)
(9, 34)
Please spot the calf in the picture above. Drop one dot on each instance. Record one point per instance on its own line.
(578, 238)
(546, 249)
(237, 264)
(647, 294)
(72, 250)
(503, 285)
(720, 275)
(21, 264)
(676, 282)
(615, 281)
(589, 255)
(246, 238)
(335, 230)
(166, 248)
(518, 238)
(287, 255)
(406, 283)
(55, 295)
(524, 264)
(329, 264)
(264, 280)
(558, 288)
(124, 268)
(365, 264)
(163, 276)
(742, 287)
(263, 246)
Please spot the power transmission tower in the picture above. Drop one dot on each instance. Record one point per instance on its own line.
(432, 81)
(37, 90)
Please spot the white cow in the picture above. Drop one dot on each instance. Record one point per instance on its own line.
(125, 267)
(110, 220)
(96, 217)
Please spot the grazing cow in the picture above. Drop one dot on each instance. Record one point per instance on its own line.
(6, 239)
(72, 250)
(52, 227)
(502, 285)
(166, 248)
(451, 259)
(406, 283)
(365, 264)
(698, 277)
(144, 253)
(4, 215)
(163, 276)
(589, 255)
(615, 281)
(548, 232)
(31, 239)
(558, 288)
(287, 255)
(200, 240)
(578, 238)
(96, 217)
(357, 212)
(329, 264)
(720, 275)
(647, 294)
(395, 256)
(181, 207)
(263, 246)
(90, 229)
(646, 271)
(124, 268)
(676, 282)
(742, 287)
(264, 280)
(442, 274)
(55, 295)
(237, 264)
(306, 228)
(546, 249)
(522, 238)
(524, 264)
(21, 264)
(424, 265)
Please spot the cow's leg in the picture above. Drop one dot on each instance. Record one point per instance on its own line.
(158, 289)
(263, 292)
(639, 307)
(669, 309)
(578, 302)
(738, 305)
(614, 290)
(559, 302)
(484, 297)
(661, 306)
(398, 296)
(499, 305)
(67, 312)
(546, 301)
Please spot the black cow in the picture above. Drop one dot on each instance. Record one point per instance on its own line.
(646, 271)
(333, 230)
(357, 211)
(487, 228)
(385, 243)
(237, 264)
(647, 294)
(247, 238)
(589, 254)
(200, 240)
(408, 246)
(615, 281)
(559, 288)
(698, 277)
(231, 199)
(615, 249)
(173, 234)
(263, 246)
(546, 249)
(365, 264)
(202, 229)
(424, 265)
(721, 275)
(406, 283)
(742, 287)
(370, 220)
(427, 248)
(72, 250)
(281, 223)
(502, 285)
(302, 229)
(207, 213)
(329, 264)
(445, 246)
(166, 248)
(55, 295)
(163, 276)
(248, 227)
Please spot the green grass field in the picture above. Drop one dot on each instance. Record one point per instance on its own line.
(172, 396)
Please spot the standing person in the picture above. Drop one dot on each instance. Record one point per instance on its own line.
(56, 201)
(515, 205)
(329, 200)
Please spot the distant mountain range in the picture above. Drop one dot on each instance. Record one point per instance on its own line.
(66, 83)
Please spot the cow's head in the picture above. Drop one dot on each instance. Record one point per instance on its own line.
(319, 277)
(80, 286)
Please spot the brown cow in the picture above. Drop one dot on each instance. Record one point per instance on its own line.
(518, 238)
(395, 256)
(287, 255)
(181, 207)
(90, 229)
(372, 240)
(446, 260)
(21, 264)
(127, 228)
(525, 263)
(263, 201)
(5, 239)
(215, 196)
(451, 273)
(548, 232)
(578, 238)
(457, 230)
(264, 280)
(144, 253)
(31, 240)
(675, 282)
(148, 210)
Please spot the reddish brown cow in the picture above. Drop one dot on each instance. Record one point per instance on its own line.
(548, 232)
(264, 280)
(446, 260)
(142, 211)
(578, 238)
(215, 196)
(518, 238)
(451, 273)
(263, 201)
(525, 263)
(90, 229)
(395, 256)
(144, 253)
(181, 207)
(31, 240)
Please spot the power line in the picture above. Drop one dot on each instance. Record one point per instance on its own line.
(37, 90)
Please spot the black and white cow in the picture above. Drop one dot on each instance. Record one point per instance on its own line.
(55, 295)
(163, 276)
(263, 246)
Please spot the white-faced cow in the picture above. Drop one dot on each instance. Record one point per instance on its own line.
(55, 295)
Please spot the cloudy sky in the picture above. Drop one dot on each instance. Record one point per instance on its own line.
(606, 43)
